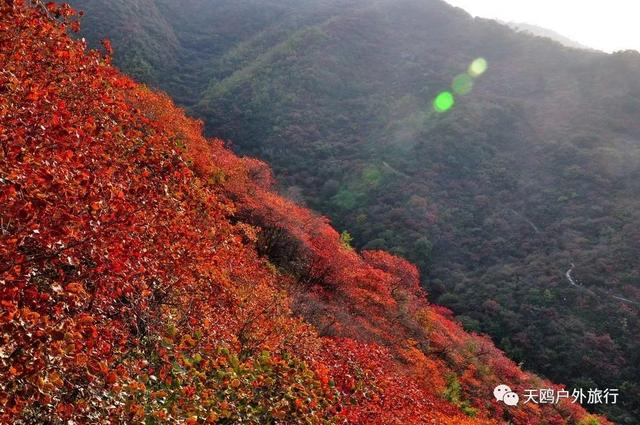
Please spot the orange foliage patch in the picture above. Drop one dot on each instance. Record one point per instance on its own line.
(149, 274)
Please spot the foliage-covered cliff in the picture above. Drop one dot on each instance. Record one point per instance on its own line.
(148, 275)
(535, 167)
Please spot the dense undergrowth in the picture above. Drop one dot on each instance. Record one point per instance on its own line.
(148, 275)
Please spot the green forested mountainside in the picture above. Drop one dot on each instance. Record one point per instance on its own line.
(533, 171)
(183, 46)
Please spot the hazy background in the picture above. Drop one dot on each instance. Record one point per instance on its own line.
(607, 26)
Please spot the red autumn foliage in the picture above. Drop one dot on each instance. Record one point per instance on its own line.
(148, 274)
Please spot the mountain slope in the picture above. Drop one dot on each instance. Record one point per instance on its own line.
(151, 276)
(532, 171)
(545, 32)
(151, 41)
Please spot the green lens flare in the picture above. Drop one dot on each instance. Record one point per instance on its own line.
(478, 67)
(462, 84)
(443, 102)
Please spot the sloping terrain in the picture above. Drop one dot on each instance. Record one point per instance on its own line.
(148, 275)
(546, 33)
(532, 171)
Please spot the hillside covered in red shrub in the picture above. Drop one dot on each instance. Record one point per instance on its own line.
(148, 275)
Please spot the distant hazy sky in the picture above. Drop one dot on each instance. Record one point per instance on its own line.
(607, 25)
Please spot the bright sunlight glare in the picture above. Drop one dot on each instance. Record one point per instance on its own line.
(609, 26)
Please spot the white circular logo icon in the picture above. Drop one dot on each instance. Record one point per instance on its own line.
(504, 394)
(500, 391)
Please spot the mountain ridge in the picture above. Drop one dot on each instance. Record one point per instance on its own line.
(546, 32)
